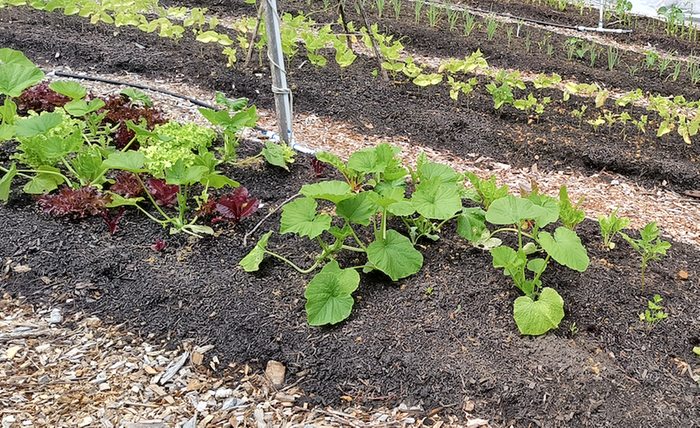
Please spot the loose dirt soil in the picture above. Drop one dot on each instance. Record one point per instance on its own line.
(402, 343)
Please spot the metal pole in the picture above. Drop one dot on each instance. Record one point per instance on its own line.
(283, 95)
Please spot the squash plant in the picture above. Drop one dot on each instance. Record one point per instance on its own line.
(375, 191)
(541, 308)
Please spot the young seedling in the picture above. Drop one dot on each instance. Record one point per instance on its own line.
(491, 26)
(418, 6)
(579, 114)
(610, 226)
(469, 23)
(654, 314)
(433, 14)
(649, 246)
(595, 123)
(614, 56)
(397, 8)
(541, 308)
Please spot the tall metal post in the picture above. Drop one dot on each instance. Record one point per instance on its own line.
(283, 95)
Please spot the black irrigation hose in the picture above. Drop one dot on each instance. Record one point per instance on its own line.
(136, 85)
(517, 18)
(148, 88)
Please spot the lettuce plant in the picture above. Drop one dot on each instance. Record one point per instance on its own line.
(374, 192)
(541, 308)
(174, 188)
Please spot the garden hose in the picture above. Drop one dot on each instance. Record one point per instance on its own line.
(534, 21)
(269, 134)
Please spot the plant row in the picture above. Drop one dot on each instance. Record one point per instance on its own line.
(377, 195)
(120, 152)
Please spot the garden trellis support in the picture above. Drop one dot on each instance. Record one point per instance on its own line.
(283, 95)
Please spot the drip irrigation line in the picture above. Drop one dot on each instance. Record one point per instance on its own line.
(534, 21)
(269, 134)
(136, 85)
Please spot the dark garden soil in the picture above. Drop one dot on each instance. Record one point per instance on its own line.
(438, 337)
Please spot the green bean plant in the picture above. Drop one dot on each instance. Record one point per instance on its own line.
(579, 114)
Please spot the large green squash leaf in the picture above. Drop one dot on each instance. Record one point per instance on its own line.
(334, 191)
(538, 317)
(5, 182)
(358, 209)
(434, 200)
(128, 161)
(37, 124)
(566, 248)
(299, 216)
(328, 295)
(395, 255)
(251, 262)
(14, 78)
(511, 209)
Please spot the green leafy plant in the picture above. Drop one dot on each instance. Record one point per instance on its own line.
(231, 122)
(469, 23)
(649, 246)
(579, 114)
(674, 18)
(457, 87)
(501, 94)
(610, 226)
(175, 188)
(541, 308)
(650, 58)
(181, 143)
(570, 214)
(595, 123)
(641, 124)
(655, 313)
(542, 81)
(374, 191)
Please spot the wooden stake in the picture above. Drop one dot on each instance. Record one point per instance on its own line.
(377, 54)
(252, 38)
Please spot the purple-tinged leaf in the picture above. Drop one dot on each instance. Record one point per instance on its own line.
(164, 194)
(318, 166)
(236, 206)
(112, 221)
(127, 185)
(159, 245)
(83, 201)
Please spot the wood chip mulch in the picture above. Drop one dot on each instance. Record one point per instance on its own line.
(79, 372)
